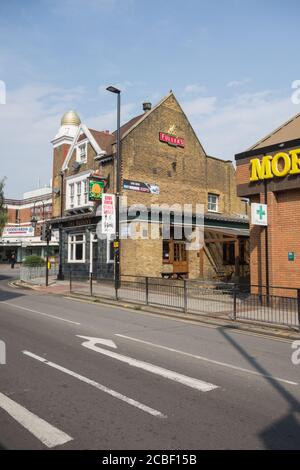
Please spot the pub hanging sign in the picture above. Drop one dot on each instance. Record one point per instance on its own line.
(96, 189)
(170, 137)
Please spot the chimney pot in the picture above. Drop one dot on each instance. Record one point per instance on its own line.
(147, 106)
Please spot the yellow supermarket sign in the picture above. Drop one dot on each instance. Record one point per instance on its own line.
(279, 165)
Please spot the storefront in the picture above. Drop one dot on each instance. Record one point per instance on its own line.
(269, 175)
(22, 233)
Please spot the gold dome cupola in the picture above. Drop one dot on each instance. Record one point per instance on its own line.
(70, 118)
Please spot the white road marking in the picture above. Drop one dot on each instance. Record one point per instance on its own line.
(167, 374)
(206, 359)
(104, 389)
(40, 313)
(45, 432)
(91, 340)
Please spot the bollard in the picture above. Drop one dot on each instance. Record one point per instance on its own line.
(147, 290)
(298, 305)
(234, 303)
(91, 284)
(70, 278)
(185, 308)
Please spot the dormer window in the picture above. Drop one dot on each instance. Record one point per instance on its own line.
(81, 156)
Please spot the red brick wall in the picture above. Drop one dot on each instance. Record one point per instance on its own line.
(283, 236)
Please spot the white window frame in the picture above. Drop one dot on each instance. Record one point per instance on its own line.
(85, 191)
(71, 202)
(108, 250)
(78, 193)
(210, 203)
(71, 188)
(79, 153)
(72, 247)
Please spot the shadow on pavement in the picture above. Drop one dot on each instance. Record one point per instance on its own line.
(8, 295)
(283, 434)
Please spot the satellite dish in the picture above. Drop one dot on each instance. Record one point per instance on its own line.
(56, 190)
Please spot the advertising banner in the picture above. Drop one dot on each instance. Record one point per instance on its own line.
(18, 231)
(108, 214)
(141, 187)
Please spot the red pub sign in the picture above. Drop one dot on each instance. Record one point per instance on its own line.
(171, 138)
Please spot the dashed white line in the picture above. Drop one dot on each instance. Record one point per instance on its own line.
(104, 389)
(40, 313)
(49, 435)
(206, 359)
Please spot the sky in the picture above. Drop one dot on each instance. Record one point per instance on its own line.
(230, 63)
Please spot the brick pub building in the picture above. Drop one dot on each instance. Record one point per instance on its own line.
(163, 162)
(269, 173)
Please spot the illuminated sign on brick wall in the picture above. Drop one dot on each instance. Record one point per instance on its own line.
(170, 137)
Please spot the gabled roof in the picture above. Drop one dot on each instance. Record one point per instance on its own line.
(133, 123)
(128, 125)
(94, 139)
(103, 141)
(290, 130)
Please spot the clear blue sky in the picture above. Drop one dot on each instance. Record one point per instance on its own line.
(230, 63)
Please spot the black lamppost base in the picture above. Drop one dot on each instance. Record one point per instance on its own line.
(60, 276)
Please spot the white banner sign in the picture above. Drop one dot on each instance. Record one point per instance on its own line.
(18, 231)
(108, 214)
(259, 214)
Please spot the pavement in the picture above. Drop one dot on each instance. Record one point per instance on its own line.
(80, 375)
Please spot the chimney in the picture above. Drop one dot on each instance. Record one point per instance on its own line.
(147, 106)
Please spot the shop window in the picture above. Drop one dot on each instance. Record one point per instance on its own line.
(228, 253)
(76, 248)
(243, 251)
(213, 202)
(166, 251)
(179, 251)
(173, 251)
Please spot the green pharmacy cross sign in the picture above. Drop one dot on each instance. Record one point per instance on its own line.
(96, 188)
(259, 214)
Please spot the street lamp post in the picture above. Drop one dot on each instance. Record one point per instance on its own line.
(60, 275)
(112, 89)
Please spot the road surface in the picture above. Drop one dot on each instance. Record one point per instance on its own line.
(80, 375)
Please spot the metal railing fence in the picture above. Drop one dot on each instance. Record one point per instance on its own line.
(281, 306)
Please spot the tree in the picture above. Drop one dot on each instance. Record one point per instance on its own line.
(3, 210)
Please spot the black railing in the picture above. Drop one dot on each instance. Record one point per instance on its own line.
(237, 302)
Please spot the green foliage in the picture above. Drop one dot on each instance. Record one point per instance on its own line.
(3, 210)
(34, 260)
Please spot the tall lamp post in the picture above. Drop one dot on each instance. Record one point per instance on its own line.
(112, 89)
(60, 275)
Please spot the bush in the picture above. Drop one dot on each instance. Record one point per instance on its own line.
(34, 260)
